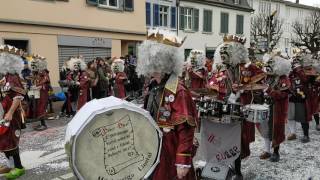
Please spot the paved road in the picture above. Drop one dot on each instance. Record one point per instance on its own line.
(44, 157)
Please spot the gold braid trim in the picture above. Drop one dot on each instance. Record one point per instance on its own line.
(184, 155)
(190, 120)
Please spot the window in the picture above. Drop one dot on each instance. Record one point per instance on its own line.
(148, 14)
(239, 28)
(224, 23)
(109, 3)
(128, 5)
(164, 14)
(288, 12)
(189, 19)
(236, 1)
(20, 44)
(207, 21)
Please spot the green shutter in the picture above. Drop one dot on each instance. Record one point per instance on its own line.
(181, 18)
(207, 21)
(239, 27)
(224, 23)
(195, 20)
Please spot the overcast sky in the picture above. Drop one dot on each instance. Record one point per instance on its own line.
(308, 2)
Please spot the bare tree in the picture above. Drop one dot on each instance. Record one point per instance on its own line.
(307, 32)
(266, 29)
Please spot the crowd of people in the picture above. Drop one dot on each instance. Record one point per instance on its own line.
(97, 79)
(170, 88)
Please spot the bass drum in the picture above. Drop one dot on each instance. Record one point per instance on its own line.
(113, 139)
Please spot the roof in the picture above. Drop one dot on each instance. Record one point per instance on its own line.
(229, 4)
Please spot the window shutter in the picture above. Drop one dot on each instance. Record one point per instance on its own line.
(224, 23)
(148, 13)
(195, 19)
(128, 5)
(92, 2)
(239, 27)
(173, 17)
(156, 15)
(181, 18)
(209, 21)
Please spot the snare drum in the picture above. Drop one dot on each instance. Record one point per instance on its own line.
(235, 109)
(257, 113)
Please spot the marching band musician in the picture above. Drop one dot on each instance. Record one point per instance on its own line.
(11, 124)
(233, 70)
(196, 69)
(170, 103)
(278, 70)
(298, 103)
(38, 92)
(120, 78)
(78, 82)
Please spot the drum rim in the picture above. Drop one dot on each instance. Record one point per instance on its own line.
(115, 107)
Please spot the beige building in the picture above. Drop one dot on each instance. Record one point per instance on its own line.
(58, 29)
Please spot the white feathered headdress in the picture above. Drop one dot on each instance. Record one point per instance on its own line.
(197, 59)
(38, 63)
(117, 65)
(276, 65)
(160, 53)
(76, 61)
(232, 47)
(10, 60)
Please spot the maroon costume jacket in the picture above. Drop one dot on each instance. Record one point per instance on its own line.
(198, 79)
(280, 97)
(10, 139)
(248, 128)
(120, 91)
(83, 79)
(177, 118)
(299, 81)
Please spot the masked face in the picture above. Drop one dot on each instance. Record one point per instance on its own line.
(296, 62)
(116, 68)
(34, 66)
(193, 61)
(77, 66)
(269, 67)
(225, 55)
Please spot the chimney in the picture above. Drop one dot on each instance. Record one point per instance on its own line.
(297, 1)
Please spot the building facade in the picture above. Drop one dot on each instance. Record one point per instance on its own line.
(288, 12)
(58, 29)
(204, 22)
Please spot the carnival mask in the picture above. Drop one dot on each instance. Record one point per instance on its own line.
(34, 66)
(297, 62)
(116, 68)
(77, 66)
(225, 54)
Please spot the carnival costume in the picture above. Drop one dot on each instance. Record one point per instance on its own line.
(78, 82)
(300, 97)
(196, 69)
(170, 104)
(38, 92)
(232, 73)
(277, 97)
(12, 116)
(120, 78)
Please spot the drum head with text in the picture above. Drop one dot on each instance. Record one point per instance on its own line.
(116, 144)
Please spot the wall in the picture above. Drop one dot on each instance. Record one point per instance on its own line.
(74, 13)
